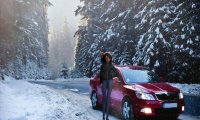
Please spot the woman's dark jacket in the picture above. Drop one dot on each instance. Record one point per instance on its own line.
(107, 71)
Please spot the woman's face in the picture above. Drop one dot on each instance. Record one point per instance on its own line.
(107, 59)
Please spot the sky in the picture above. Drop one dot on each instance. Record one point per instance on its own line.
(62, 9)
(57, 13)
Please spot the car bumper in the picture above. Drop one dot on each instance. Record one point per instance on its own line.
(156, 108)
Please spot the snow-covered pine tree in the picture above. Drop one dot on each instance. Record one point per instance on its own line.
(154, 43)
(187, 41)
(54, 62)
(163, 43)
(60, 49)
(160, 34)
(86, 50)
(108, 26)
(28, 37)
(67, 46)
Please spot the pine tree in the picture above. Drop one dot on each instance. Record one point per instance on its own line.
(27, 45)
(160, 34)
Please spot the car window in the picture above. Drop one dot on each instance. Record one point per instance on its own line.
(138, 76)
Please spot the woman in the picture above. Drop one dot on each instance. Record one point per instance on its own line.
(107, 72)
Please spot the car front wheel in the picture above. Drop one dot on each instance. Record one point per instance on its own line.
(127, 110)
(94, 100)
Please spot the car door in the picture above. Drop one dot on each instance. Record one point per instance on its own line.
(116, 94)
(99, 89)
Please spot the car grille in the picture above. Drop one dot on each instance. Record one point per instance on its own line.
(167, 96)
(166, 111)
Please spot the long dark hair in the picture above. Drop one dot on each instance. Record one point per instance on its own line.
(104, 58)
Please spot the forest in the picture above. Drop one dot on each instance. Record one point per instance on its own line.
(163, 35)
(24, 38)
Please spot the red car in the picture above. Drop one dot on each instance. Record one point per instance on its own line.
(138, 92)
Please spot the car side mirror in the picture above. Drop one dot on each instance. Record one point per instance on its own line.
(116, 80)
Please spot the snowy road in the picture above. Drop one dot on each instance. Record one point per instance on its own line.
(80, 87)
(192, 102)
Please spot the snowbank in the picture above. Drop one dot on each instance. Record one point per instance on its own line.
(21, 100)
(193, 89)
(83, 79)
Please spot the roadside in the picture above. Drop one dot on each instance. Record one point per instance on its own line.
(21, 100)
(82, 102)
(188, 89)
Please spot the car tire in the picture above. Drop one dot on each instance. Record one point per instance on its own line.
(127, 110)
(174, 118)
(94, 100)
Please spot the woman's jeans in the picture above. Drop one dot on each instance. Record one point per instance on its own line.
(106, 91)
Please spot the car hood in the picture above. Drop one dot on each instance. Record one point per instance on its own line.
(152, 87)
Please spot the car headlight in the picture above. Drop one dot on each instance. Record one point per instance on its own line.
(144, 96)
(180, 95)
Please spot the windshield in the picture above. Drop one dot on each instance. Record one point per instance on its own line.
(138, 76)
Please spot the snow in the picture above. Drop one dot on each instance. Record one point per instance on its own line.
(151, 21)
(160, 36)
(191, 51)
(157, 63)
(156, 11)
(102, 2)
(147, 61)
(197, 38)
(193, 89)
(181, 23)
(21, 100)
(159, 21)
(183, 36)
(141, 39)
(106, 20)
(189, 41)
(137, 26)
(143, 21)
(181, 46)
(109, 9)
(35, 23)
(28, 32)
(192, 28)
(141, 12)
(124, 27)
(185, 117)
(109, 33)
(166, 16)
(156, 40)
(193, 5)
(121, 14)
(157, 30)
(74, 90)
